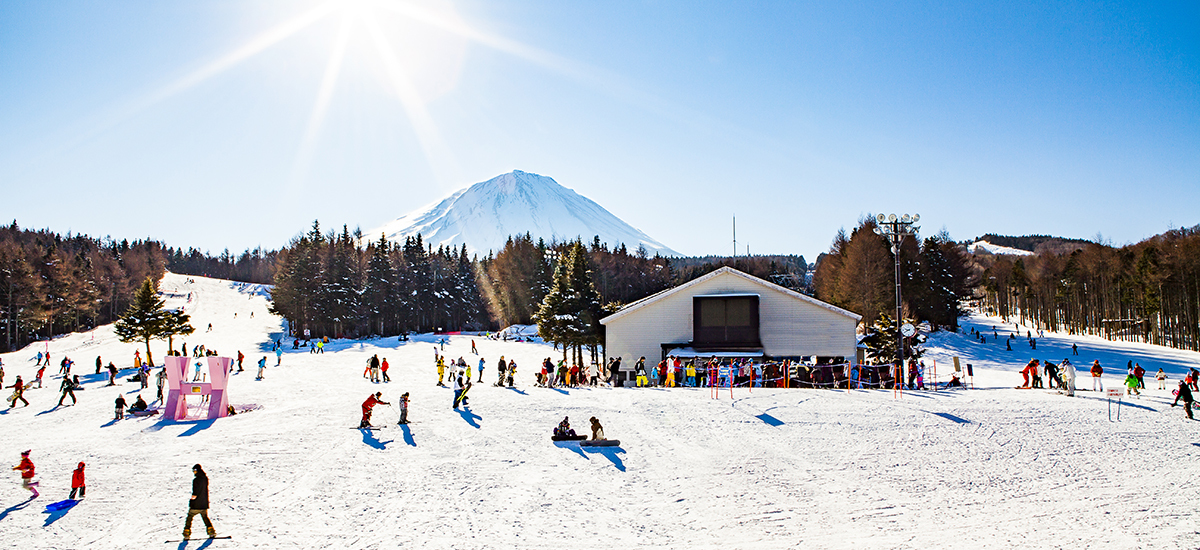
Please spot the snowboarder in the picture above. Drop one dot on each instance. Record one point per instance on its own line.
(68, 388)
(459, 388)
(139, 405)
(1131, 385)
(26, 469)
(120, 411)
(1097, 371)
(18, 393)
(1184, 393)
(112, 374)
(198, 504)
(239, 359)
(37, 378)
(77, 483)
(262, 365)
(564, 429)
(597, 429)
(369, 404)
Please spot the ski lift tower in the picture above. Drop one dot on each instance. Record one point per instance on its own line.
(895, 229)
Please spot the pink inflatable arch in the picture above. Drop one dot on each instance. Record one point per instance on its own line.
(179, 389)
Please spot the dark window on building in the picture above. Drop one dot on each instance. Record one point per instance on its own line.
(724, 322)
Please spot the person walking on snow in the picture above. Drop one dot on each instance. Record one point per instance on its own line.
(198, 503)
(119, 412)
(1160, 376)
(38, 377)
(1139, 372)
(473, 350)
(239, 359)
(481, 363)
(77, 483)
(278, 355)
(161, 377)
(1097, 372)
(67, 388)
(1184, 393)
(383, 367)
(441, 367)
(18, 389)
(26, 469)
(367, 406)
(262, 365)
(373, 366)
(39, 360)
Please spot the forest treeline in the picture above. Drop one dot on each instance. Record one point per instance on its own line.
(1144, 292)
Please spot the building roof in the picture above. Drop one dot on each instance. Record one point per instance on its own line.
(632, 307)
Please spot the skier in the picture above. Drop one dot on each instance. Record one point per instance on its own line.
(18, 393)
(38, 377)
(26, 469)
(119, 413)
(198, 504)
(262, 365)
(459, 388)
(404, 408)
(1184, 393)
(383, 367)
(1160, 376)
(1069, 377)
(512, 371)
(77, 483)
(369, 404)
(67, 388)
(1097, 372)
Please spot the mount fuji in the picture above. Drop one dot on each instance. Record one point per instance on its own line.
(484, 215)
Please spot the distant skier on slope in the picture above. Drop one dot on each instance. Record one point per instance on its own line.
(262, 365)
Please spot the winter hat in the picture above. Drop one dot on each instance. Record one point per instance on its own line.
(26, 453)
(378, 393)
(80, 465)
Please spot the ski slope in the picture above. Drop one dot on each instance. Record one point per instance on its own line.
(991, 467)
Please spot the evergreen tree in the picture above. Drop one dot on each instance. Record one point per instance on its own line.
(380, 290)
(175, 323)
(145, 319)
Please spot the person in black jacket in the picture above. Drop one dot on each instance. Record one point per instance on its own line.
(1184, 393)
(198, 503)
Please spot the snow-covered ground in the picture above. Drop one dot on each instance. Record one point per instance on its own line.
(992, 467)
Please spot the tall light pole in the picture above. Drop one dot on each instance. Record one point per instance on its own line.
(895, 229)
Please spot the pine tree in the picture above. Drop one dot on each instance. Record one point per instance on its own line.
(145, 319)
(379, 292)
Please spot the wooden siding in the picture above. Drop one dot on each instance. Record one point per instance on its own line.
(788, 325)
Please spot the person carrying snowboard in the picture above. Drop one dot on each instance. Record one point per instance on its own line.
(198, 503)
(77, 483)
(367, 406)
(459, 389)
(1184, 393)
(26, 469)
(18, 389)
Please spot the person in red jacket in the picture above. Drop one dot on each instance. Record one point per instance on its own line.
(367, 406)
(1029, 372)
(383, 367)
(77, 483)
(1097, 372)
(26, 468)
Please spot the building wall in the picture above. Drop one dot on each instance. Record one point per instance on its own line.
(788, 325)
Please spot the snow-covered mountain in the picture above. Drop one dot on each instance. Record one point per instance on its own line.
(484, 215)
(985, 248)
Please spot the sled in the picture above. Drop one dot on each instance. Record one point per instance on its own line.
(61, 505)
(568, 437)
(600, 443)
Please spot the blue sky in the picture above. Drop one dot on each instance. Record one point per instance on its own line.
(234, 124)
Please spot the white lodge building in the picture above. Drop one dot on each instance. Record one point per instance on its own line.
(728, 313)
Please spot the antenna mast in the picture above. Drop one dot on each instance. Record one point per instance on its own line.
(735, 236)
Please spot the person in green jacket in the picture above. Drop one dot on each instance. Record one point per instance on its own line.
(1131, 385)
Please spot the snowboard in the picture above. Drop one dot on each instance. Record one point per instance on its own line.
(568, 437)
(600, 443)
(198, 538)
(61, 505)
(463, 396)
(369, 428)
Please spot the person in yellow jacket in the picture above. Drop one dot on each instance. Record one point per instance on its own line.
(640, 369)
(441, 366)
(691, 374)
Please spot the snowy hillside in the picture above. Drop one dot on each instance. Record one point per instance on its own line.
(991, 467)
(484, 215)
(984, 247)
